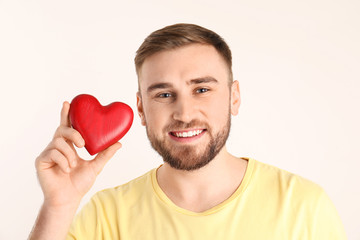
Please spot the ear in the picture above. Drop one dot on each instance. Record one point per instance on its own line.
(140, 108)
(235, 98)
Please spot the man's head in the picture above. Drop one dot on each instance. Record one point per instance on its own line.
(186, 94)
(180, 35)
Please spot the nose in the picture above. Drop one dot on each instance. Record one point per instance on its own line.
(184, 110)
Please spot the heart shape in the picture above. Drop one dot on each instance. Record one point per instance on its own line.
(100, 126)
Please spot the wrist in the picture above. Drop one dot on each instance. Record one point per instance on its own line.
(53, 206)
(53, 221)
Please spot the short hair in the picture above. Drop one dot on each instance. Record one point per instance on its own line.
(179, 35)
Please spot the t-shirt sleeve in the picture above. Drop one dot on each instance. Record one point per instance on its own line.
(84, 225)
(327, 222)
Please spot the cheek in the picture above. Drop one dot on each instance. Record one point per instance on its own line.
(218, 111)
(155, 117)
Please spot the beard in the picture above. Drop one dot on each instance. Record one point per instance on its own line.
(187, 157)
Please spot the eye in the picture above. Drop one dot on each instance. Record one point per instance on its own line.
(202, 90)
(164, 95)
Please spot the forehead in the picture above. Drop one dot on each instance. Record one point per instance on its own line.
(183, 64)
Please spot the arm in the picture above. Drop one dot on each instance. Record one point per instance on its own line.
(64, 178)
(53, 223)
(327, 222)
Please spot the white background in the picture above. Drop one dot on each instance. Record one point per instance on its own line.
(297, 63)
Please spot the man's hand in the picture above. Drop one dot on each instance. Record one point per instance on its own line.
(65, 178)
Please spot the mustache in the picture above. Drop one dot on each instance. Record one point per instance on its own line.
(179, 125)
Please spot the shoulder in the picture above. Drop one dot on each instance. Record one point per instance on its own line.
(100, 216)
(283, 177)
(286, 183)
(290, 192)
(128, 191)
(301, 201)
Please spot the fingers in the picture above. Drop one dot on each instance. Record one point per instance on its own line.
(103, 157)
(50, 158)
(64, 116)
(70, 134)
(65, 130)
(58, 152)
(67, 150)
(61, 150)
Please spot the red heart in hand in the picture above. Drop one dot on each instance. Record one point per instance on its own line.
(100, 126)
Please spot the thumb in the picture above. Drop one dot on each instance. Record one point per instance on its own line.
(104, 156)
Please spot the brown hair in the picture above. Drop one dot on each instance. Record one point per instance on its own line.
(179, 35)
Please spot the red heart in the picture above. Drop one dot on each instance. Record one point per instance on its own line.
(100, 126)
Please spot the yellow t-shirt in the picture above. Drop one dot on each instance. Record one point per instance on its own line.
(269, 204)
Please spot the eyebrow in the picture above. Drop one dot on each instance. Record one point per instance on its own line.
(164, 85)
(158, 86)
(203, 80)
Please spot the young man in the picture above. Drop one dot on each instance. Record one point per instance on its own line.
(186, 98)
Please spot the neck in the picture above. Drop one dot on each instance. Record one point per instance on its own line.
(206, 187)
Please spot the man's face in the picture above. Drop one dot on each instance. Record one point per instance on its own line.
(185, 103)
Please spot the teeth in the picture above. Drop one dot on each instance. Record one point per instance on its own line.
(188, 134)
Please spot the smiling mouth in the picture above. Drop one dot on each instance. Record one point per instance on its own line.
(187, 134)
